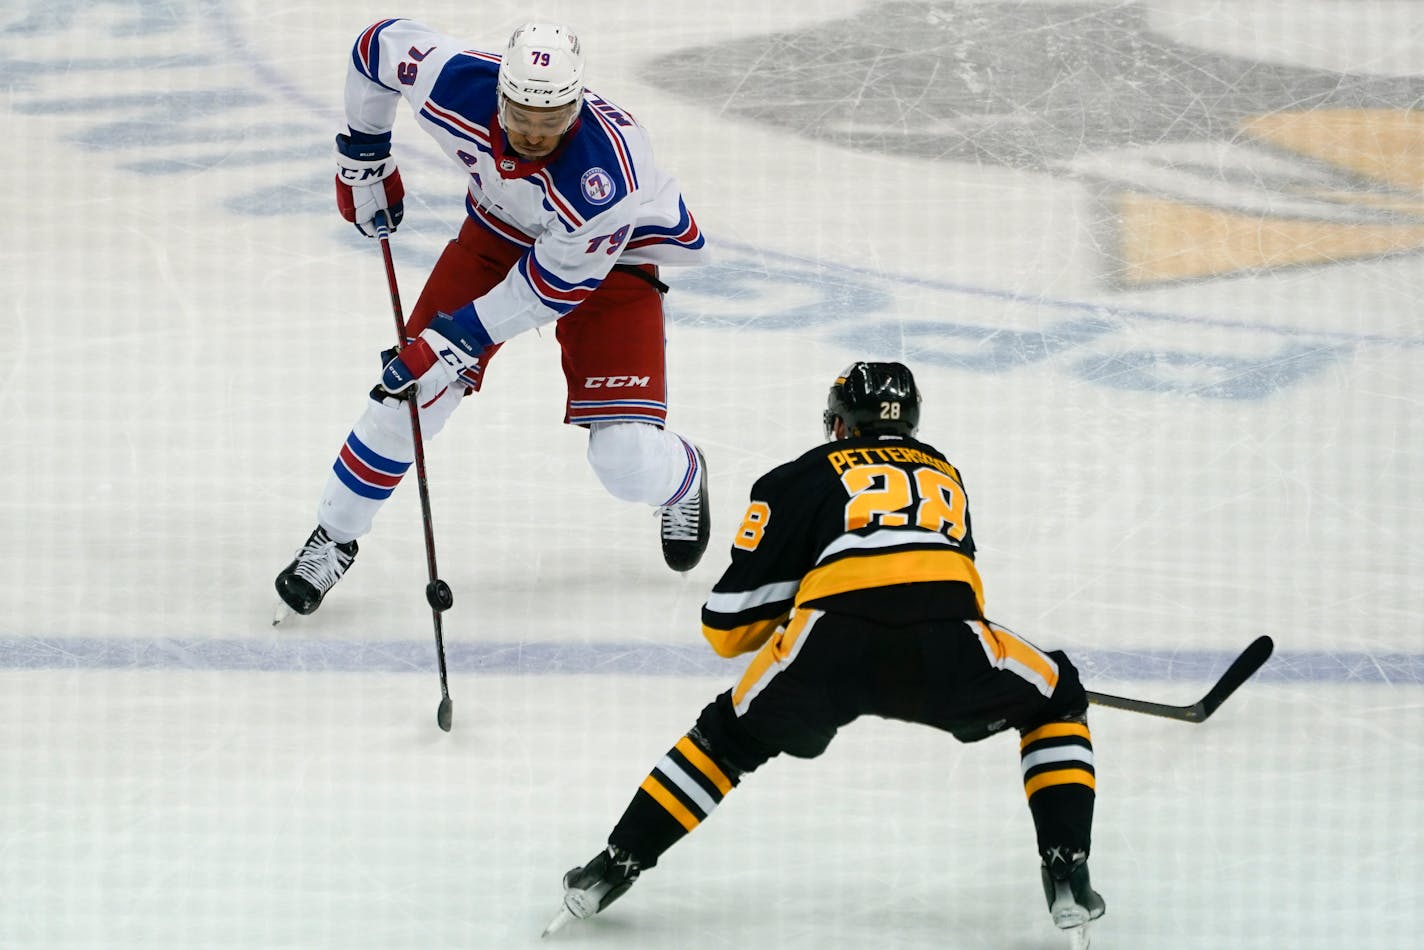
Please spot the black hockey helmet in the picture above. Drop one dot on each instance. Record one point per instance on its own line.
(874, 399)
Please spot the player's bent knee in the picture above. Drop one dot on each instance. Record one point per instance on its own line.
(723, 736)
(1069, 702)
(621, 454)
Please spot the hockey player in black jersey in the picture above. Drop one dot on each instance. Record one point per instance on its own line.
(853, 579)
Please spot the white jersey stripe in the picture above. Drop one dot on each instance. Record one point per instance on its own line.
(888, 538)
(736, 601)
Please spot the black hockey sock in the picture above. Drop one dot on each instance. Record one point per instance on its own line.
(1058, 775)
(678, 795)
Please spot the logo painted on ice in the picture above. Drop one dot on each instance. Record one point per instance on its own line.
(598, 186)
(1223, 160)
(1204, 164)
(1095, 343)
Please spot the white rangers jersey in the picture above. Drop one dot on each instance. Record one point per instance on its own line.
(597, 200)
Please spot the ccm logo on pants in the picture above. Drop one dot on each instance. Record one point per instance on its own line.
(614, 382)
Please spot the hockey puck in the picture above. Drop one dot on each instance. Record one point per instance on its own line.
(438, 594)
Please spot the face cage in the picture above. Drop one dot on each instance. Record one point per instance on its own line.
(504, 115)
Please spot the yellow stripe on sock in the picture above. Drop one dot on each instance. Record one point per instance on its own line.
(669, 802)
(1059, 777)
(1054, 730)
(705, 765)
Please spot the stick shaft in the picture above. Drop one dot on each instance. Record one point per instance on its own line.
(422, 483)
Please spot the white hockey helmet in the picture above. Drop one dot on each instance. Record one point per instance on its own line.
(542, 66)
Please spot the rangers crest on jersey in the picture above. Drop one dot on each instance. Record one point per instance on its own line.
(598, 186)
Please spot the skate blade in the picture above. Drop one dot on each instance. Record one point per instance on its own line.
(560, 921)
(1079, 938)
(282, 612)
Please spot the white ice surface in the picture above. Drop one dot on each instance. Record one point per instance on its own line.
(188, 344)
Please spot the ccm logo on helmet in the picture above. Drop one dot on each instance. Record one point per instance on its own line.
(614, 382)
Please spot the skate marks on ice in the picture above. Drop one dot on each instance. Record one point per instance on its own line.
(1206, 164)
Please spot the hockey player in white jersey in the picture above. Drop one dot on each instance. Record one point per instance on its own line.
(568, 219)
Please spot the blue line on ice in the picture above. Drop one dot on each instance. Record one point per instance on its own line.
(285, 654)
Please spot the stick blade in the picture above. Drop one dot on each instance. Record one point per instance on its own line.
(445, 713)
(1242, 669)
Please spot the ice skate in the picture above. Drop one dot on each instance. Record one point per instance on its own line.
(687, 525)
(1071, 898)
(317, 567)
(600, 882)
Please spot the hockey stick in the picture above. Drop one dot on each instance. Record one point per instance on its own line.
(437, 592)
(1240, 670)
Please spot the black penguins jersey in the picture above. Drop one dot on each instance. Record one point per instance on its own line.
(852, 515)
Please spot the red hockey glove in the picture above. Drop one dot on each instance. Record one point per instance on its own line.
(438, 356)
